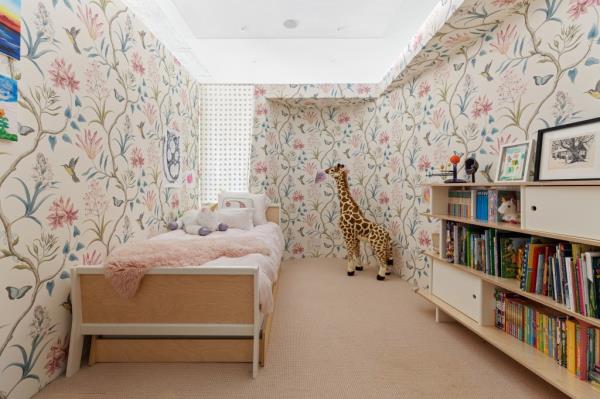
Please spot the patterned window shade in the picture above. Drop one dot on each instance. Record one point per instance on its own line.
(225, 138)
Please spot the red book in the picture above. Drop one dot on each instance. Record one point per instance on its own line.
(582, 350)
(534, 253)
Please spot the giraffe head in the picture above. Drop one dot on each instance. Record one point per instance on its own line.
(336, 171)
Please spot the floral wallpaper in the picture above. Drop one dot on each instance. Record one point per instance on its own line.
(98, 95)
(493, 72)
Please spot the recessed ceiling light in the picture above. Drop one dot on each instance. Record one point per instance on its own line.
(290, 23)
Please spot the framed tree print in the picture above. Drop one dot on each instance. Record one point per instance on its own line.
(569, 152)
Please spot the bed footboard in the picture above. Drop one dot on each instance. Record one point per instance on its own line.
(187, 302)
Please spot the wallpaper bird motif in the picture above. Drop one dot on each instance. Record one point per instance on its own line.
(97, 95)
(480, 74)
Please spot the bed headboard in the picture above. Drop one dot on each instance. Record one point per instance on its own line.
(273, 212)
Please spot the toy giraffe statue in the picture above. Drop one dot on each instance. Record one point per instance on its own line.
(356, 227)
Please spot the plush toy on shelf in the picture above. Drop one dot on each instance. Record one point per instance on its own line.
(508, 210)
(199, 222)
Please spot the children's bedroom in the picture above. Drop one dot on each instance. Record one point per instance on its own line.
(285, 199)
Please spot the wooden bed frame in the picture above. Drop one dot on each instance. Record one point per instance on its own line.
(185, 314)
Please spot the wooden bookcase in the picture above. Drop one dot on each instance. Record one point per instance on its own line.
(566, 211)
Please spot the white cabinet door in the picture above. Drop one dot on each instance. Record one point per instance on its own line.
(565, 210)
(458, 289)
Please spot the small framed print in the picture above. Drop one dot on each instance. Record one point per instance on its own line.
(514, 162)
(171, 157)
(569, 152)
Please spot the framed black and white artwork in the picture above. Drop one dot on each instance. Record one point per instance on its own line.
(171, 155)
(569, 152)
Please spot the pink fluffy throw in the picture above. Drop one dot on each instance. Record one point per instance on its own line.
(125, 267)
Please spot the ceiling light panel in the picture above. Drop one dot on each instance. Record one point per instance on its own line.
(212, 19)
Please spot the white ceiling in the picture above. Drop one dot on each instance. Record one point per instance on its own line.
(244, 41)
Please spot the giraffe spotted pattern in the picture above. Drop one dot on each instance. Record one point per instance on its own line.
(356, 227)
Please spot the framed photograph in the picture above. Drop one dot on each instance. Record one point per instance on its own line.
(514, 162)
(569, 152)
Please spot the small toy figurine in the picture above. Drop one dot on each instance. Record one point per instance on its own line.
(454, 160)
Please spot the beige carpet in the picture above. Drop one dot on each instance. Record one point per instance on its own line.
(333, 337)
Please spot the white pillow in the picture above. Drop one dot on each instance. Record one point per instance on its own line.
(237, 218)
(231, 200)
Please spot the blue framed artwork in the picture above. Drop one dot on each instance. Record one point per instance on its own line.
(8, 108)
(10, 28)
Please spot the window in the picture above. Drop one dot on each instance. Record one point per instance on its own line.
(225, 137)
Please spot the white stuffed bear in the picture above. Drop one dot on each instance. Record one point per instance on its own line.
(200, 222)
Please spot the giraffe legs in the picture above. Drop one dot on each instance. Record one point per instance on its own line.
(383, 252)
(353, 250)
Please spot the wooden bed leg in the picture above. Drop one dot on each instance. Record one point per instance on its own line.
(256, 332)
(76, 344)
(262, 350)
(92, 359)
(266, 331)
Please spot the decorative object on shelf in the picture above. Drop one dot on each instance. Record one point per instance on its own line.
(514, 162)
(508, 211)
(10, 28)
(454, 160)
(569, 152)
(355, 226)
(471, 166)
(8, 107)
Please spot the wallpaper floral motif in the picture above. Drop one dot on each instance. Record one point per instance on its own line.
(493, 72)
(97, 95)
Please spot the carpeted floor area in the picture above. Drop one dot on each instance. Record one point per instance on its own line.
(333, 337)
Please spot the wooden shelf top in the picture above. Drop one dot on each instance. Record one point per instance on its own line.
(518, 184)
(512, 285)
(536, 361)
(514, 227)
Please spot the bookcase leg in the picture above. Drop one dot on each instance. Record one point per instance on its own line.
(441, 317)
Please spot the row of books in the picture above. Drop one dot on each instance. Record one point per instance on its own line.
(568, 273)
(460, 203)
(480, 204)
(572, 343)
(491, 251)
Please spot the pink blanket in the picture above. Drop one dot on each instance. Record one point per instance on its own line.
(125, 267)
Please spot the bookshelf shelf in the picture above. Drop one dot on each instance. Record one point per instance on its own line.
(511, 284)
(519, 184)
(515, 228)
(529, 357)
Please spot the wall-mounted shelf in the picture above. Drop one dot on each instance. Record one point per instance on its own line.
(534, 360)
